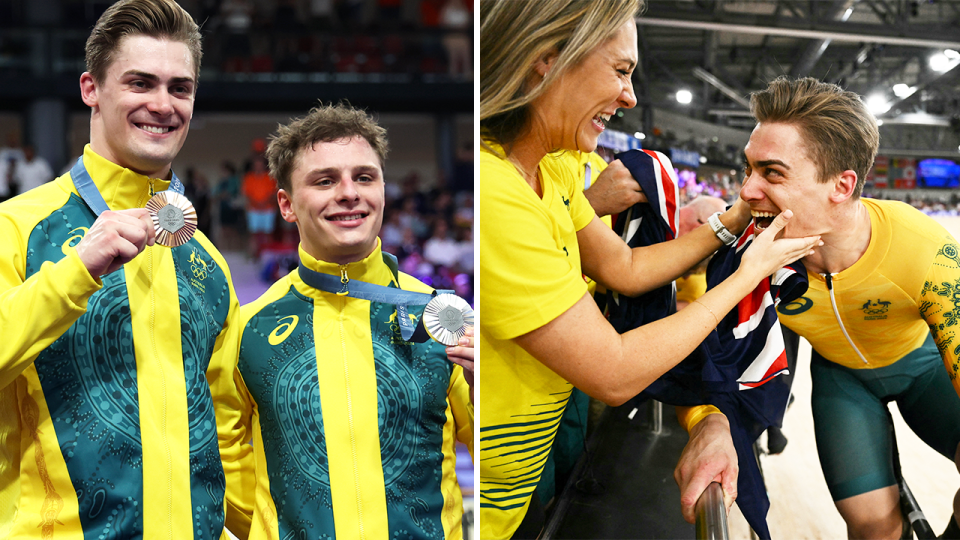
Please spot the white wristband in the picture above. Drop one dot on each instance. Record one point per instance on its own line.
(722, 233)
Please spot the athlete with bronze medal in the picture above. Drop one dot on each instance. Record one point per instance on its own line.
(174, 217)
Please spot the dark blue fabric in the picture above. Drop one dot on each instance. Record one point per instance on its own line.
(751, 411)
(624, 312)
(710, 374)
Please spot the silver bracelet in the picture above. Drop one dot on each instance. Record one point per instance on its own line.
(720, 230)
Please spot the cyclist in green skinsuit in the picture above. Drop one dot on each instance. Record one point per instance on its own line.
(881, 310)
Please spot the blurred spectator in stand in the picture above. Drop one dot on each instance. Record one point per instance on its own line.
(410, 186)
(12, 149)
(237, 18)
(441, 205)
(463, 216)
(261, 193)
(230, 202)
(411, 218)
(440, 249)
(465, 250)
(409, 245)
(32, 170)
(416, 266)
(8, 184)
(462, 180)
(391, 233)
(10, 156)
(197, 190)
(457, 23)
(463, 286)
(257, 148)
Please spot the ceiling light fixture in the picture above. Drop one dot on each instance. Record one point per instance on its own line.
(684, 97)
(940, 63)
(903, 91)
(878, 104)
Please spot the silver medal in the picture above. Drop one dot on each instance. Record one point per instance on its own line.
(446, 318)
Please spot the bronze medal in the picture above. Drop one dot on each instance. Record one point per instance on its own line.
(174, 218)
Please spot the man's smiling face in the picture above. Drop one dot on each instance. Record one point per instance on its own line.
(142, 110)
(779, 175)
(336, 198)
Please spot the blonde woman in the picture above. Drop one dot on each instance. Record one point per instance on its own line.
(553, 72)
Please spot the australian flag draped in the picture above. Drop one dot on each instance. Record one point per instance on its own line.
(743, 357)
(645, 224)
(736, 367)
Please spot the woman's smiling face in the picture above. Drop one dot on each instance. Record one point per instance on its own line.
(577, 107)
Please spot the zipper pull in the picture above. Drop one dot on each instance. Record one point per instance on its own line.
(344, 280)
(152, 192)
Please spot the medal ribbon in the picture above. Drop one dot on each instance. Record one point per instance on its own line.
(91, 195)
(377, 293)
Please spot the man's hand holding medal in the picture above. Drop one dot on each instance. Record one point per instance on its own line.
(116, 237)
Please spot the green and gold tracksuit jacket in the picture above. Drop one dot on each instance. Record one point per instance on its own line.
(353, 428)
(107, 419)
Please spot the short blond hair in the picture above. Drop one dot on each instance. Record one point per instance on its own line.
(324, 123)
(161, 19)
(514, 34)
(839, 131)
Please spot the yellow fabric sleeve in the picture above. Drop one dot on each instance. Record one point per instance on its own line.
(239, 461)
(462, 407)
(940, 302)
(691, 416)
(531, 267)
(691, 287)
(233, 408)
(35, 312)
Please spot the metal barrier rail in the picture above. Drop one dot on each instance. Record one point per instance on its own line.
(712, 514)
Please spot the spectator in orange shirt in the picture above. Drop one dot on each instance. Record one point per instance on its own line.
(261, 193)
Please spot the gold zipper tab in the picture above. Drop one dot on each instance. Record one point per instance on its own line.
(344, 280)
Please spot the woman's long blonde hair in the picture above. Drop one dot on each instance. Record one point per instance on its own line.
(514, 34)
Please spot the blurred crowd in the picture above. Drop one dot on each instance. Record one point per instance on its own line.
(21, 169)
(693, 185)
(410, 37)
(943, 203)
(344, 36)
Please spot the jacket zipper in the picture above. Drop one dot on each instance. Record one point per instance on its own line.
(346, 374)
(836, 312)
(344, 281)
(163, 378)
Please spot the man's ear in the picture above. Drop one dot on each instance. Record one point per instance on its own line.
(88, 89)
(543, 64)
(286, 206)
(844, 186)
